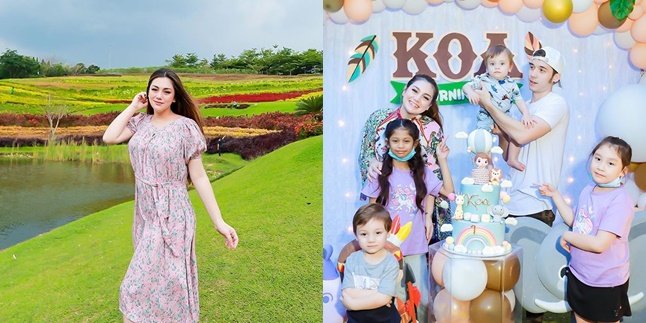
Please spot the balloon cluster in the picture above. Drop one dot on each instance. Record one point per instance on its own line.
(474, 290)
(621, 115)
(583, 17)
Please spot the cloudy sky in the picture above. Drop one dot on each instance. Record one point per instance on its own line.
(125, 33)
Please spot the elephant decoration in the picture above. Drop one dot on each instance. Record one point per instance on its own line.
(333, 310)
(544, 261)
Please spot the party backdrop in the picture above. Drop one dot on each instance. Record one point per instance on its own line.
(372, 47)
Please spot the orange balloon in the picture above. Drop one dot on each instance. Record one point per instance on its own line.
(437, 267)
(448, 309)
(638, 30)
(510, 6)
(625, 27)
(637, 12)
(490, 306)
(606, 18)
(489, 3)
(638, 57)
(640, 174)
(503, 274)
(584, 23)
(358, 11)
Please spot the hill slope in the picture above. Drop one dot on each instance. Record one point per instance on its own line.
(73, 273)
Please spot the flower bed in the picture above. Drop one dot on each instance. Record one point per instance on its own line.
(255, 97)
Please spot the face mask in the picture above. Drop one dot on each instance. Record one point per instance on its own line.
(612, 184)
(401, 159)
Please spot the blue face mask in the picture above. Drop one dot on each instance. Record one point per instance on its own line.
(613, 183)
(401, 159)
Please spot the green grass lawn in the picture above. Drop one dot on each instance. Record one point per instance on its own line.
(73, 273)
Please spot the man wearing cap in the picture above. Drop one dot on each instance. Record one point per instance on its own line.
(542, 146)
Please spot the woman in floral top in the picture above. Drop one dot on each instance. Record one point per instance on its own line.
(419, 104)
(165, 147)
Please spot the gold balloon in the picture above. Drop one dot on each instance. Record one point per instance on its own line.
(332, 5)
(490, 306)
(633, 166)
(448, 309)
(606, 18)
(502, 275)
(557, 11)
(640, 176)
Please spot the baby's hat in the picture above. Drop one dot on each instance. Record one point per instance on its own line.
(551, 57)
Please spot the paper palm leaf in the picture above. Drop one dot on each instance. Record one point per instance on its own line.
(532, 44)
(363, 55)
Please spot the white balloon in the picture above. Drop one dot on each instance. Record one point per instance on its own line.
(339, 17)
(394, 4)
(641, 203)
(468, 4)
(378, 6)
(465, 279)
(579, 6)
(622, 115)
(527, 14)
(624, 40)
(415, 7)
(631, 187)
(511, 297)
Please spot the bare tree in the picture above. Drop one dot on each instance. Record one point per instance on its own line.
(54, 112)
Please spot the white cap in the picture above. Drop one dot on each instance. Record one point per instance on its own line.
(552, 58)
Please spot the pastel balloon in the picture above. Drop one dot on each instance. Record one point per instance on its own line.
(625, 26)
(510, 6)
(479, 141)
(437, 267)
(581, 5)
(557, 11)
(490, 306)
(448, 309)
(502, 275)
(394, 4)
(378, 6)
(622, 115)
(468, 4)
(332, 5)
(637, 12)
(527, 14)
(465, 279)
(489, 3)
(638, 55)
(584, 23)
(339, 17)
(606, 18)
(624, 40)
(640, 176)
(435, 2)
(638, 30)
(414, 7)
(534, 4)
(358, 11)
(511, 297)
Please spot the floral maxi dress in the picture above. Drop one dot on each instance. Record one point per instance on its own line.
(161, 282)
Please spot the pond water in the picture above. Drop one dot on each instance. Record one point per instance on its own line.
(37, 196)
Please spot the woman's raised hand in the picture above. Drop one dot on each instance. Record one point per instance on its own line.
(374, 169)
(140, 101)
(442, 150)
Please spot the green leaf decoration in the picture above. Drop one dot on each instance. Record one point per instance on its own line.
(621, 8)
(364, 53)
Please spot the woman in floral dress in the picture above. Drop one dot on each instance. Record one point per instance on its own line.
(419, 104)
(165, 147)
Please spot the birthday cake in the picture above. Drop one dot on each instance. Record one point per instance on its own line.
(478, 223)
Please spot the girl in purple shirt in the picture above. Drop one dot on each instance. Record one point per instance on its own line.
(408, 189)
(597, 285)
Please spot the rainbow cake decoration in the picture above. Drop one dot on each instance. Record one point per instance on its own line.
(479, 220)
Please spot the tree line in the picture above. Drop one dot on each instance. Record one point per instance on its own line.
(275, 61)
(14, 65)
